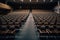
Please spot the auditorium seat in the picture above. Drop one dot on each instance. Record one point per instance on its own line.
(47, 23)
(12, 22)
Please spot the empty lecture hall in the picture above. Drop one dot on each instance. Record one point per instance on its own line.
(29, 19)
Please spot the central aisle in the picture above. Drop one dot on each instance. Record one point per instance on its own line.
(29, 31)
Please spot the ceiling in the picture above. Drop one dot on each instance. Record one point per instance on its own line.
(27, 1)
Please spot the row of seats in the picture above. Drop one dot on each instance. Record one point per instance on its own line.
(49, 38)
(10, 23)
(47, 20)
(47, 23)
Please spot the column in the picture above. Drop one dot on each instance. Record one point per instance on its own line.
(58, 7)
